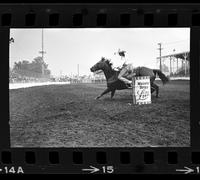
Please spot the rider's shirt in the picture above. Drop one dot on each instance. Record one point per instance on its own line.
(117, 62)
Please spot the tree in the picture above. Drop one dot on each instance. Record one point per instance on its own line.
(37, 68)
(40, 66)
(17, 66)
(25, 65)
(38, 60)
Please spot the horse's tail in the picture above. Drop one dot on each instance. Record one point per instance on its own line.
(162, 76)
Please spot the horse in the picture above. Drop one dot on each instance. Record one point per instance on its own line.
(113, 83)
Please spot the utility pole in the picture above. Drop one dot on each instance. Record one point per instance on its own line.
(78, 70)
(170, 65)
(42, 51)
(160, 49)
(185, 60)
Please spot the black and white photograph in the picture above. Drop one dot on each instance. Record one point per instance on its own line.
(99, 87)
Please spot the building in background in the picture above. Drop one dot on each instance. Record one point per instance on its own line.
(176, 64)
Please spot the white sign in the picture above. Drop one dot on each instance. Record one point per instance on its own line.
(141, 90)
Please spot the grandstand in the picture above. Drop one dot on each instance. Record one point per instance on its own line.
(176, 64)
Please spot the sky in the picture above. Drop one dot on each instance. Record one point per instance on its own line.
(68, 48)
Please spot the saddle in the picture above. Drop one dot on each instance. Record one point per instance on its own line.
(135, 72)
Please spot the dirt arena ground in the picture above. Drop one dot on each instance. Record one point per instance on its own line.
(69, 116)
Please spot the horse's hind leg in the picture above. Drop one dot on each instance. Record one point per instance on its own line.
(152, 89)
(112, 93)
(105, 92)
(156, 88)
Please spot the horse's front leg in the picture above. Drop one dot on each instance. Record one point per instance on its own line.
(105, 92)
(113, 93)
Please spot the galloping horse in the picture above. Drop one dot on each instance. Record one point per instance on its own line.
(113, 83)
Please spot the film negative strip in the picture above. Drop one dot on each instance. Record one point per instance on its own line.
(56, 115)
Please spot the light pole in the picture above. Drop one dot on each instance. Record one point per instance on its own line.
(42, 51)
(78, 70)
(160, 49)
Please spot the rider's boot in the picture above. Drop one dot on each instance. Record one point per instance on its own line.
(129, 85)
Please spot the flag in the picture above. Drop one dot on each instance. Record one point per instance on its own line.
(11, 40)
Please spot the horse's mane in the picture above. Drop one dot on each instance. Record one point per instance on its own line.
(108, 61)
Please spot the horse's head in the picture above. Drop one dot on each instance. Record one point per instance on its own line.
(101, 65)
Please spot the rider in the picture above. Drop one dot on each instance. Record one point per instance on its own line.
(120, 63)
